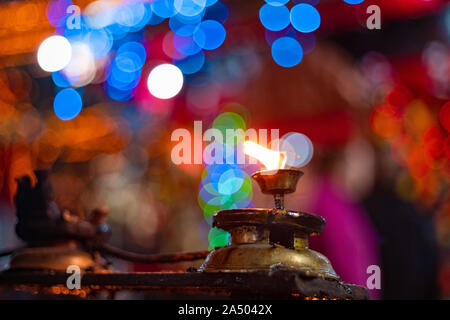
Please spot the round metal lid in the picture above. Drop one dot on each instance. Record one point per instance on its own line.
(292, 221)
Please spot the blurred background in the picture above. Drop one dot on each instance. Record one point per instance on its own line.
(373, 102)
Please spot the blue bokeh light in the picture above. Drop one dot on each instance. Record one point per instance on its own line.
(119, 27)
(353, 1)
(189, 8)
(100, 41)
(181, 28)
(122, 80)
(219, 12)
(216, 170)
(230, 181)
(185, 44)
(60, 79)
(128, 61)
(123, 74)
(132, 14)
(75, 34)
(277, 2)
(209, 35)
(67, 104)
(155, 20)
(163, 8)
(195, 19)
(274, 18)
(271, 36)
(305, 18)
(224, 185)
(210, 2)
(287, 52)
(118, 31)
(191, 64)
(117, 94)
(208, 193)
(133, 51)
(311, 2)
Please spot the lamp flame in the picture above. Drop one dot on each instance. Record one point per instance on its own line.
(272, 160)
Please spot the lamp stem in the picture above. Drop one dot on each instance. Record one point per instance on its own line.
(279, 201)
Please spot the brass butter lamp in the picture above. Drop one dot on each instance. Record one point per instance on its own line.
(263, 239)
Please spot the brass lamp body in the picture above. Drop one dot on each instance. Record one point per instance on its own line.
(264, 239)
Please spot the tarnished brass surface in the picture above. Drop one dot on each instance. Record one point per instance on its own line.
(300, 243)
(281, 181)
(249, 234)
(265, 257)
(51, 258)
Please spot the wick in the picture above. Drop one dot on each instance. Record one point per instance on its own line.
(284, 158)
(295, 154)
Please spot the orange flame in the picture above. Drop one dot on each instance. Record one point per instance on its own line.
(272, 160)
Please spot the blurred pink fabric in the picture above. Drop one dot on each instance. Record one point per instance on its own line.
(349, 240)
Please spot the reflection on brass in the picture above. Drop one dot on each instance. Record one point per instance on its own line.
(51, 258)
(265, 257)
(300, 243)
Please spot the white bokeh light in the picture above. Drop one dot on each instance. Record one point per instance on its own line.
(299, 149)
(100, 14)
(54, 53)
(81, 69)
(165, 81)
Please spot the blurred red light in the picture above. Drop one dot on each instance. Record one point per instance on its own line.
(444, 116)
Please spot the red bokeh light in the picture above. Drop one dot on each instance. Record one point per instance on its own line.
(433, 140)
(444, 116)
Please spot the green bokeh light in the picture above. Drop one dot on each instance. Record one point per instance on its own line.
(218, 238)
(230, 120)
